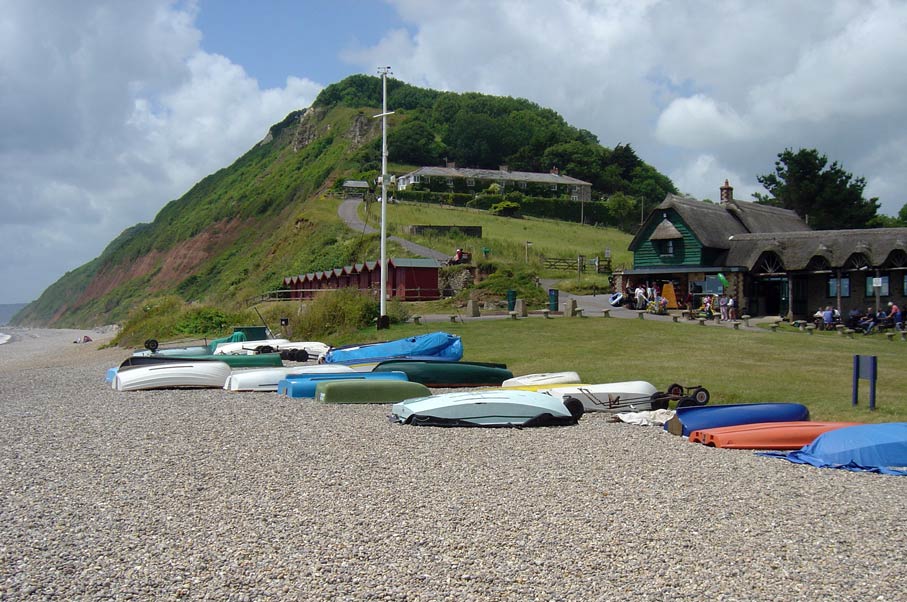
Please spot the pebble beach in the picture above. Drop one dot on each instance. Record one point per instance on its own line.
(216, 495)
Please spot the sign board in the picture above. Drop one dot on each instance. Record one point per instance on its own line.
(867, 368)
(877, 283)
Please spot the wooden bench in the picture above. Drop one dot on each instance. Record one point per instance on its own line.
(701, 321)
(512, 314)
(606, 313)
(801, 324)
(545, 313)
(578, 312)
(417, 320)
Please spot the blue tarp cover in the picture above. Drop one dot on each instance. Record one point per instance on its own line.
(439, 344)
(880, 448)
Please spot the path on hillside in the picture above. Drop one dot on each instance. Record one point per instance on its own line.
(349, 213)
(590, 304)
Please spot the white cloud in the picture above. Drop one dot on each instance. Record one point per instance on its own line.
(700, 122)
(110, 110)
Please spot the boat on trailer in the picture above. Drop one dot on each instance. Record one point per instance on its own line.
(266, 379)
(628, 396)
(368, 391)
(766, 435)
(498, 408)
(171, 375)
(543, 378)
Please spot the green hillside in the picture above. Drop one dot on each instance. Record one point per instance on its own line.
(273, 212)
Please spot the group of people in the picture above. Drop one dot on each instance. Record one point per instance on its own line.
(870, 320)
(724, 304)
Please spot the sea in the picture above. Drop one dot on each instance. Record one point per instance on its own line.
(4, 338)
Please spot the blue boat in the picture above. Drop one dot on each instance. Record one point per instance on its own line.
(305, 385)
(111, 374)
(434, 344)
(695, 418)
(880, 448)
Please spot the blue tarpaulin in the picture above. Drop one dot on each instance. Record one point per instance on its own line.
(880, 448)
(438, 344)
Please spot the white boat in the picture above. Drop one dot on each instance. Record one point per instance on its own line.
(488, 408)
(266, 379)
(204, 374)
(288, 349)
(543, 378)
(629, 396)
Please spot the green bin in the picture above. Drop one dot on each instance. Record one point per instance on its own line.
(511, 300)
(552, 299)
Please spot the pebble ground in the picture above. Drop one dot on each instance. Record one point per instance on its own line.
(205, 494)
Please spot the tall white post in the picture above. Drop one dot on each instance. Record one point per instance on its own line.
(382, 320)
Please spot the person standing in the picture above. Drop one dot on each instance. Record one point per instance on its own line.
(722, 306)
(731, 308)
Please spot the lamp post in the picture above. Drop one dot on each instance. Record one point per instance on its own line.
(528, 244)
(383, 320)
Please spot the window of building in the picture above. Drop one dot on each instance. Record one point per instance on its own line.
(833, 284)
(554, 187)
(574, 197)
(522, 183)
(471, 182)
(884, 291)
(450, 182)
(665, 247)
(417, 178)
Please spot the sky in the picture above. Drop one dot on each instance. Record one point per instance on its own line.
(111, 108)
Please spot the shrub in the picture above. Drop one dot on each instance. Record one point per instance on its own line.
(505, 209)
(336, 312)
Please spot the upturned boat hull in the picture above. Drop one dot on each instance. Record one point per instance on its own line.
(304, 386)
(500, 408)
(628, 396)
(444, 374)
(368, 391)
(766, 435)
(266, 379)
(172, 375)
(545, 378)
(690, 419)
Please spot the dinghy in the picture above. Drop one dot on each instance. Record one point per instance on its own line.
(171, 375)
(299, 351)
(690, 419)
(545, 378)
(248, 347)
(261, 360)
(438, 344)
(447, 374)
(266, 379)
(629, 396)
(765, 435)
(368, 391)
(151, 347)
(488, 408)
(304, 386)
(880, 448)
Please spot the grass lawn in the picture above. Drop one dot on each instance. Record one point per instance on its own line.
(735, 366)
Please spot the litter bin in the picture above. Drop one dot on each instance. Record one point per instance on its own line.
(511, 300)
(552, 299)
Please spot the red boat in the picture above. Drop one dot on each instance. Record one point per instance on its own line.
(766, 435)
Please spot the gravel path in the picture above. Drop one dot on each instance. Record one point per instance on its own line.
(349, 213)
(242, 496)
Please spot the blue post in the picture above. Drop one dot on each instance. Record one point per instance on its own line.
(872, 382)
(856, 379)
(865, 367)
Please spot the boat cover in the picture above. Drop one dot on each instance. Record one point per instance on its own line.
(880, 448)
(695, 418)
(439, 344)
(305, 385)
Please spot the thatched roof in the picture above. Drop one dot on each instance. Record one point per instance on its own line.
(836, 247)
(713, 224)
(666, 231)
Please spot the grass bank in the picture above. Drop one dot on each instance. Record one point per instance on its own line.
(735, 366)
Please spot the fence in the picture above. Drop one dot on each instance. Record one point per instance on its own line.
(601, 266)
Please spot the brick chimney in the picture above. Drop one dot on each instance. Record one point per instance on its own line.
(555, 171)
(727, 193)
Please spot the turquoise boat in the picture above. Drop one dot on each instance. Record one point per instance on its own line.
(442, 374)
(261, 360)
(368, 391)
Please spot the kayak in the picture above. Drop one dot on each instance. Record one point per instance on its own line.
(446, 374)
(689, 419)
(368, 391)
(766, 435)
(488, 408)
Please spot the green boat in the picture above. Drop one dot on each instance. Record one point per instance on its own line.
(368, 391)
(260, 360)
(443, 374)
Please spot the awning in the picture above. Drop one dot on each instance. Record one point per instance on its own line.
(684, 269)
